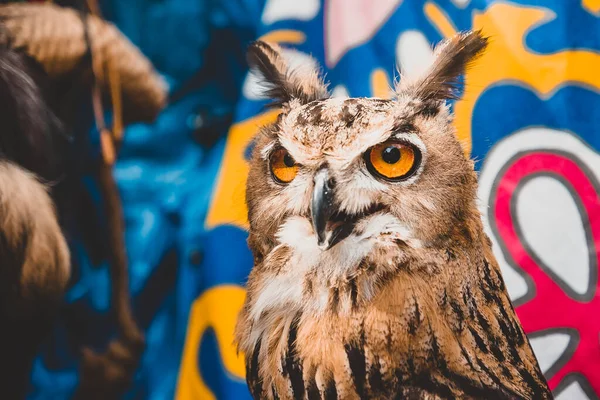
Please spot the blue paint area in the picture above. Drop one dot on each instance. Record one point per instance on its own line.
(222, 384)
(226, 247)
(571, 108)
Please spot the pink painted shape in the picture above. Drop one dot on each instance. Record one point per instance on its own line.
(349, 23)
(552, 307)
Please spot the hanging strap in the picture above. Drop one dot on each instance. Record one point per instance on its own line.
(109, 375)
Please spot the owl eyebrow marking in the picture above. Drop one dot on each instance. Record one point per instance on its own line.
(266, 151)
(429, 109)
(405, 126)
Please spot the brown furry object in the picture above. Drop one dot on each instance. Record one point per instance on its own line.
(34, 257)
(34, 272)
(31, 133)
(54, 36)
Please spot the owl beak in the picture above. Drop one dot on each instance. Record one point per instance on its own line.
(322, 208)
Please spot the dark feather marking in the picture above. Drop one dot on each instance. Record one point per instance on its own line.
(292, 366)
(514, 322)
(357, 362)
(535, 386)
(415, 317)
(444, 299)
(388, 336)
(252, 373)
(430, 109)
(460, 316)
(493, 341)
(485, 325)
(353, 293)
(346, 116)
(489, 298)
(464, 384)
(473, 388)
(274, 393)
(330, 392)
(502, 387)
(410, 364)
(376, 382)
(466, 356)
(405, 126)
(316, 113)
(468, 300)
(308, 286)
(438, 358)
(466, 233)
(508, 329)
(432, 385)
(487, 275)
(478, 340)
(499, 278)
(312, 389)
(334, 299)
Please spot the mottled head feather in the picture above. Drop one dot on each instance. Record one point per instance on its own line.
(282, 83)
(442, 80)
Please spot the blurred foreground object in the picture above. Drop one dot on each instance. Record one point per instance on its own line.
(35, 262)
(56, 38)
(81, 55)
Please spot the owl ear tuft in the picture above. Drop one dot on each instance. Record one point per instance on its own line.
(451, 59)
(281, 82)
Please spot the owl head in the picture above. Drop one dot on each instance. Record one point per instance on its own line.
(331, 169)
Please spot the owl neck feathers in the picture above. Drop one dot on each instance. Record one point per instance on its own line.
(294, 276)
(439, 315)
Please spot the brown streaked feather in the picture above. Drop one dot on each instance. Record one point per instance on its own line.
(282, 83)
(453, 56)
(405, 344)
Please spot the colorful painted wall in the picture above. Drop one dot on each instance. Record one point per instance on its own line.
(530, 117)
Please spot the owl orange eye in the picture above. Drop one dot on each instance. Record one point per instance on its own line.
(283, 166)
(393, 160)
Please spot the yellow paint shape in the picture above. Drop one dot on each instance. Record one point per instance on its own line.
(380, 84)
(216, 308)
(284, 36)
(507, 59)
(591, 6)
(228, 206)
(440, 20)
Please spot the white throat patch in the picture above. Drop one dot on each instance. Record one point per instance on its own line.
(324, 267)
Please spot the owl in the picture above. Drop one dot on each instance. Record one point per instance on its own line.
(373, 277)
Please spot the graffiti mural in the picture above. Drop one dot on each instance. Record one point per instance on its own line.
(529, 117)
(540, 199)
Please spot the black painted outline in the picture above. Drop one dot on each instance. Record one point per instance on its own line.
(583, 383)
(569, 350)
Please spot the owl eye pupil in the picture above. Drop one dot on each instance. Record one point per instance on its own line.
(288, 160)
(391, 155)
